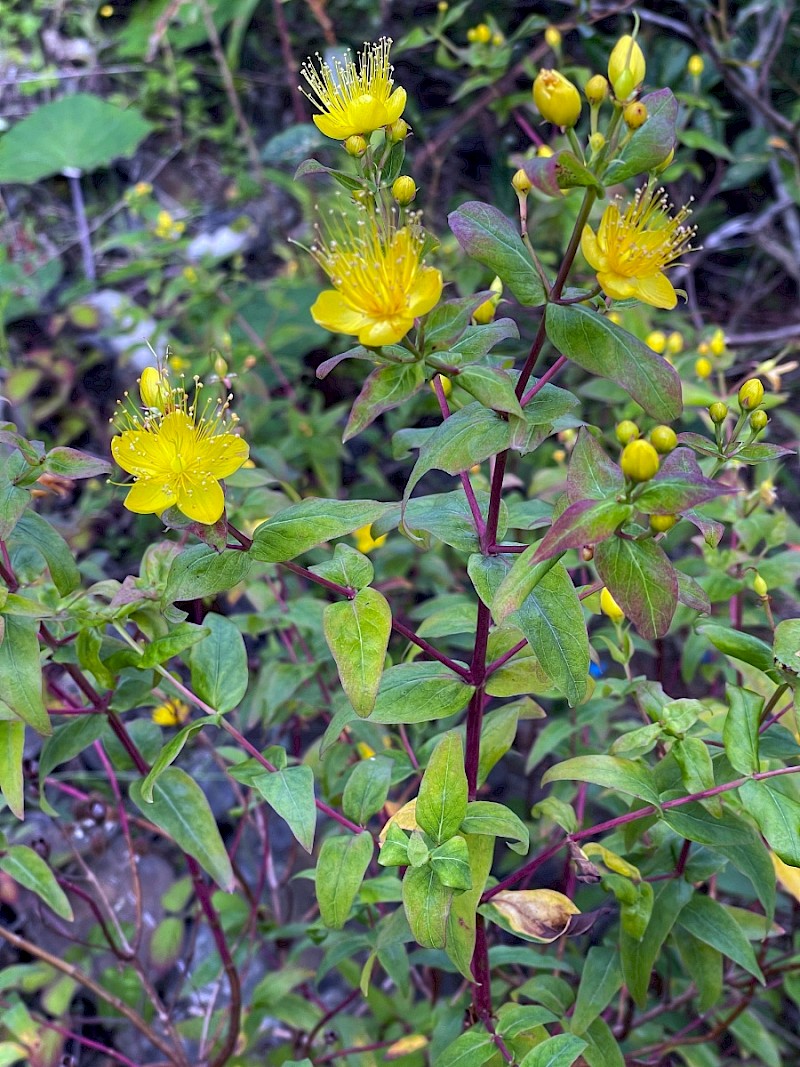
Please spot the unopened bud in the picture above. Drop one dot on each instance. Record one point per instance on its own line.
(553, 37)
(635, 115)
(484, 312)
(639, 461)
(695, 66)
(356, 145)
(483, 33)
(717, 343)
(154, 388)
(587, 553)
(398, 131)
(675, 343)
(703, 367)
(656, 340)
(663, 439)
(662, 523)
(718, 412)
(626, 67)
(596, 90)
(759, 420)
(760, 587)
(751, 394)
(404, 190)
(521, 183)
(556, 98)
(626, 431)
(447, 385)
(610, 607)
(597, 141)
(220, 367)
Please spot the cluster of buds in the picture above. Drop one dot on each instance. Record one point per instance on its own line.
(483, 34)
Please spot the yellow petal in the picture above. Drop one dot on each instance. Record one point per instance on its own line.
(789, 877)
(332, 312)
(656, 290)
(138, 452)
(617, 285)
(610, 216)
(149, 497)
(177, 433)
(385, 331)
(591, 250)
(203, 503)
(425, 292)
(225, 454)
(395, 105)
(332, 127)
(366, 113)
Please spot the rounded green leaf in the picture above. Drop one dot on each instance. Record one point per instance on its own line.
(357, 632)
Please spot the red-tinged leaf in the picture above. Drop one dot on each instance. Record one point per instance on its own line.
(593, 475)
(488, 236)
(324, 369)
(679, 484)
(642, 581)
(385, 388)
(761, 452)
(586, 522)
(72, 463)
(652, 142)
(698, 443)
(711, 530)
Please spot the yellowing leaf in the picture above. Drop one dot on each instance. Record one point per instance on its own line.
(405, 1046)
(540, 915)
(405, 818)
(612, 861)
(789, 877)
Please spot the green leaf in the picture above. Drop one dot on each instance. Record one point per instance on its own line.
(593, 475)
(651, 143)
(442, 799)
(519, 582)
(13, 501)
(679, 484)
(642, 581)
(21, 672)
(290, 794)
(559, 1051)
(28, 869)
(704, 964)
(496, 820)
(498, 731)
(740, 733)
(419, 692)
(586, 522)
(470, 1049)
(357, 632)
(311, 522)
(181, 809)
(394, 849)
(601, 978)
(343, 861)
(486, 235)
(478, 341)
(447, 322)
(12, 780)
(200, 571)
(167, 756)
(385, 388)
(711, 923)
(181, 637)
(34, 531)
(467, 437)
(72, 463)
(450, 862)
(347, 567)
(603, 348)
(448, 517)
(492, 388)
(219, 665)
(602, 1050)
(786, 646)
(77, 133)
(427, 905)
(738, 645)
(367, 788)
(778, 818)
(639, 955)
(622, 775)
(461, 920)
(551, 618)
(697, 771)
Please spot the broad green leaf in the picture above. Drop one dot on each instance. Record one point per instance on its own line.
(385, 388)
(559, 1051)
(168, 754)
(551, 618)
(740, 733)
(21, 672)
(477, 341)
(367, 788)
(467, 437)
(786, 646)
(427, 905)
(219, 665)
(778, 818)
(461, 920)
(651, 143)
(521, 579)
(449, 321)
(181, 637)
(638, 955)
(442, 799)
(538, 915)
(642, 581)
(12, 781)
(586, 522)
(486, 235)
(417, 851)
(601, 978)
(602, 1049)
(705, 964)
(200, 571)
(496, 820)
(593, 475)
(738, 645)
(181, 809)
(77, 133)
(290, 794)
(34, 531)
(603, 348)
(678, 485)
(709, 921)
(13, 501)
(447, 516)
(622, 775)
(73, 463)
(513, 1020)
(357, 632)
(492, 388)
(419, 692)
(342, 864)
(347, 567)
(29, 869)
(697, 771)
(487, 573)
(471, 1049)
(450, 863)
(300, 527)
(498, 731)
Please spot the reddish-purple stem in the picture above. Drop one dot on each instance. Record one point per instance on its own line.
(466, 484)
(548, 376)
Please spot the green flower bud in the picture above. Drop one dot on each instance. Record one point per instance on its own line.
(662, 523)
(751, 394)
(663, 439)
(404, 190)
(596, 90)
(356, 145)
(626, 431)
(759, 420)
(718, 412)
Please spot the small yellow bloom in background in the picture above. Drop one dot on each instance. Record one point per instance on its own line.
(639, 461)
(695, 66)
(190, 274)
(172, 712)
(168, 228)
(766, 493)
(717, 342)
(626, 67)
(631, 251)
(703, 367)
(498, 39)
(610, 607)
(364, 750)
(143, 189)
(482, 33)
(789, 877)
(559, 455)
(365, 542)
(380, 282)
(663, 439)
(355, 98)
(106, 11)
(178, 455)
(751, 394)
(675, 343)
(656, 340)
(662, 523)
(596, 90)
(703, 349)
(552, 36)
(556, 98)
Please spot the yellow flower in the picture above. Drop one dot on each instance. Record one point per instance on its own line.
(365, 542)
(177, 457)
(172, 712)
(610, 607)
(380, 283)
(355, 99)
(631, 251)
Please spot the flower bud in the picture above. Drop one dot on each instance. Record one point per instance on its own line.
(626, 67)
(760, 587)
(498, 39)
(472, 35)
(717, 342)
(442, 6)
(404, 190)
(663, 439)
(759, 420)
(662, 523)
(587, 553)
(639, 461)
(695, 66)
(553, 37)
(675, 343)
(482, 33)
(718, 412)
(751, 394)
(626, 431)
(544, 151)
(556, 98)
(521, 183)
(665, 162)
(154, 388)
(447, 385)
(596, 90)
(485, 312)
(597, 141)
(635, 115)
(398, 131)
(703, 368)
(766, 493)
(560, 455)
(356, 145)
(656, 340)
(610, 607)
